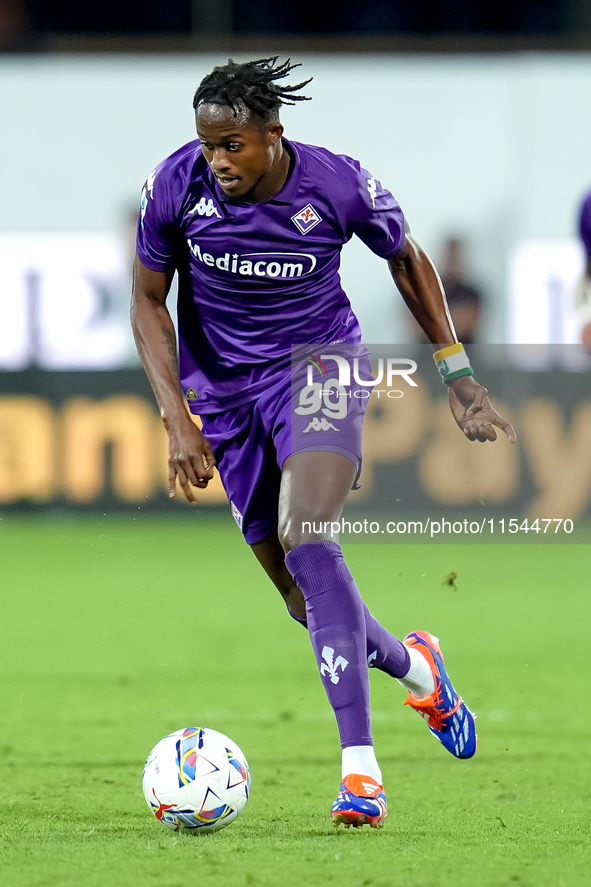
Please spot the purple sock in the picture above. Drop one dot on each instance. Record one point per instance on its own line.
(336, 622)
(383, 650)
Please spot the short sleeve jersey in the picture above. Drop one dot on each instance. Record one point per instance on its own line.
(257, 279)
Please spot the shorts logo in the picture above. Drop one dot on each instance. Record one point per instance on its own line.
(320, 425)
(237, 515)
(191, 394)
(306, 219)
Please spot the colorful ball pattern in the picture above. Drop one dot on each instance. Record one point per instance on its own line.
(196, 780)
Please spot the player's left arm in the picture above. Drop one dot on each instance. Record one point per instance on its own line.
(420, 286)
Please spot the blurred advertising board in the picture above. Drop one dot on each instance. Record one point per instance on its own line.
(83, 440)
(94, 440)
(64, 302)
(542, 276)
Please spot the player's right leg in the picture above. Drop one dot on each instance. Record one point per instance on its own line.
(336, 621)
(251, 477)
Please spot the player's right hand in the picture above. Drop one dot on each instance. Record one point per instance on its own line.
(190, 458)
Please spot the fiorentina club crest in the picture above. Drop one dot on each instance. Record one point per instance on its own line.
(331, 665)
(306, 219)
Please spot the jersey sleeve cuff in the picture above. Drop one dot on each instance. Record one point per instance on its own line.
(154, 265)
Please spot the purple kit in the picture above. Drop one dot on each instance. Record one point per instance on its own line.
(255, 280)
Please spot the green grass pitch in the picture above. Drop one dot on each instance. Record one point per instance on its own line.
(115, 631)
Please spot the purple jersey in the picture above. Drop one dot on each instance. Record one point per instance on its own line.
(255, 279)
(585, 224)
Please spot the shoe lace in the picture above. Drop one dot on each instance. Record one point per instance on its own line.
(429, 709)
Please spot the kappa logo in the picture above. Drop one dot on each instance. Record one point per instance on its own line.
(237, 515)
(317, 424)
(331, 665)
(205, 208)
(306, 219)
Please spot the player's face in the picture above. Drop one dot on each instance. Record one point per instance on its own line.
(240, 153)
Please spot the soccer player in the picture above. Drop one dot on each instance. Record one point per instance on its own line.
(583, 292)
(254, 225)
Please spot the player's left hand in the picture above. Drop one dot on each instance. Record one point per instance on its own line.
(474, 412)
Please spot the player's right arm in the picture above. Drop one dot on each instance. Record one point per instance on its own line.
(190, 457)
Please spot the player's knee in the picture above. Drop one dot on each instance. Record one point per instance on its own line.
(297, 532)
(286, 538)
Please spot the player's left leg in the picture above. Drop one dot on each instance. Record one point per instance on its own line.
(271, 557)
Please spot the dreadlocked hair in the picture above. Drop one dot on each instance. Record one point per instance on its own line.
(251, 85)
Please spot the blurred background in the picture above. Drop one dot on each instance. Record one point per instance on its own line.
(474, 114)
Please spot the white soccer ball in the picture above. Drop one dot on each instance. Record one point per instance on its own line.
(196, 780)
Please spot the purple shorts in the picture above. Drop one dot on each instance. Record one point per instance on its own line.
(252, 442)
